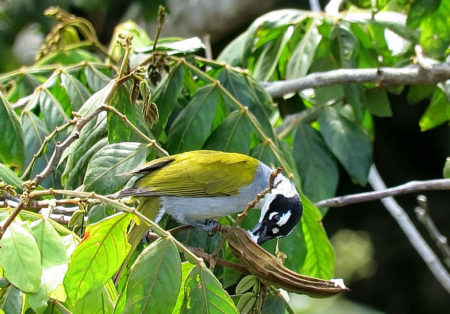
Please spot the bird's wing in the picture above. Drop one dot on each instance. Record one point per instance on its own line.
(194, 174)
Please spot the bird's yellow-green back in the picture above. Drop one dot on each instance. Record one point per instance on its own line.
(200, 173)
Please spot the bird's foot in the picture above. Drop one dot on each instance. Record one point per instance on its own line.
(211, 225)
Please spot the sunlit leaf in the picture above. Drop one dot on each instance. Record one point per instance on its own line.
(96, 301)
(98, 256)
(154, 279)
(11, 136)
(186, 268)
(302, 56)
(438, 111)
(104, 167)
(203, 293)
(20, 258)
(8, 176)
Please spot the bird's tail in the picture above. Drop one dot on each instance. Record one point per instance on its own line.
(149, 207)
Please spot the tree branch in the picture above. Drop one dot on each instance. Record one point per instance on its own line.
(417, 241)
(410, 187)
(383, 77)
(423, 215)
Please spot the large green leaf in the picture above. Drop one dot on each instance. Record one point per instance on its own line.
(233, 135)
(97, 301)
(186, 268)
(20, 258)
(35, 131)
(154, 279)
(319, 260)
(203, 293)
(315, 164)
(348, 142)
(97, 99)
(77, 92)
(117, 130)
(303, 55)
(104, 167)
(168, 92)
(51, 109)
(12, 301)
(95, 78)
(8, 176)
(192, 126)
(98, 256)
(92, 139)
(268, 58)
(12, 151)
(432, 17)
(438, 111)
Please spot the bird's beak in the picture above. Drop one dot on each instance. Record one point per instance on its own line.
(259, 233)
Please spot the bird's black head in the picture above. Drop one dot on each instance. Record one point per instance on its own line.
(279, 219)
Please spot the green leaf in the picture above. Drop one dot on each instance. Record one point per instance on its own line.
(96, 301)
(267, 60)
(319, 260)
(12, 301)
(76, 91)
(232, 135)
(96, 100)
(12, 151)
(117, 130)
(432, 17)
(203, 293)
(247, 302)
(192, 126)
(273, 304)
(168, 91)
(98, 256)
(348, 142)
(92, 139)
(303, 55)
(236, 52)
(20, 258)
(104, 167)
(35, 131)
(8, 176)
(186, 268)
(315, 164)
(95, 78)
(154, 279)
(68, 57)
(51, 110)
(378, 104)
(99, 212)
(446, 171)
(438, 111)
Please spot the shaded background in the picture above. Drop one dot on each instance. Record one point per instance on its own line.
(387, 274)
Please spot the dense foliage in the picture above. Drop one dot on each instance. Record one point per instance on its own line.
(84, 114)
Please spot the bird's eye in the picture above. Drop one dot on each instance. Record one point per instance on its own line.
(275, 218)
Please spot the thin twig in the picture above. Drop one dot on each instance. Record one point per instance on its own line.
(410, 187)
(383, 77)
(211, 259)
(135, 129)
(423, 215)
(416, 239)
(47, 139)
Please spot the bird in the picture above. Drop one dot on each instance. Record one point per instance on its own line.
(199, 186)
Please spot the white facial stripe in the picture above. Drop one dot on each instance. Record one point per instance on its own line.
(283, 219)
(285, 186)
(272, 214)
(275, 230)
